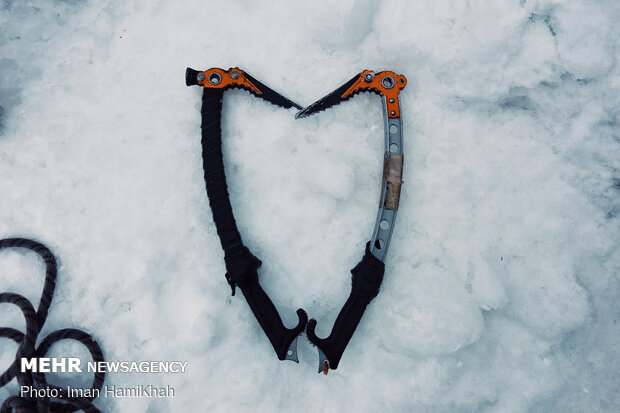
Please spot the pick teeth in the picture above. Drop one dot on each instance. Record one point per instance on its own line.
(308, 110)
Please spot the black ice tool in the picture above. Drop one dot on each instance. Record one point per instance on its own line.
(241, 265)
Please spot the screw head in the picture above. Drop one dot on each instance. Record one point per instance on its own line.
(200, 77)
(391, 100)
(388, 82)
(369, 77)
(393, 112)
(234, 74)
(215, 78)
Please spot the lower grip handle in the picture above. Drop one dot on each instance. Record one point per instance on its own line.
(281, 338)
(242, 267)
(366, 281)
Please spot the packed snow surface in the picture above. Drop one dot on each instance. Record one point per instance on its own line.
(501, 290)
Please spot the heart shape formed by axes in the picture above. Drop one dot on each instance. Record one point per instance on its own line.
(242, 266)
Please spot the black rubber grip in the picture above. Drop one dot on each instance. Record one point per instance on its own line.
(215, 178)
(366, 281)
(241, 264)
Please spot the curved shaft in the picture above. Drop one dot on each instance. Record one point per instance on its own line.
(241, 264)
(390, 185)
(368, 274)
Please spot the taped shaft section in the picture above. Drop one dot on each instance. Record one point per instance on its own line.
(393, 178)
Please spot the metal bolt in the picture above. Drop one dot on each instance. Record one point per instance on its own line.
(369, 77)
(391, 100)
(393, 112)
(200, 77)
(215, 78)
(234, 74)
(388, 82)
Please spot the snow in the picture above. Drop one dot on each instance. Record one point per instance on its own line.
(501, 289)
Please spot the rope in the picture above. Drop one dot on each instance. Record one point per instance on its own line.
(27, 344)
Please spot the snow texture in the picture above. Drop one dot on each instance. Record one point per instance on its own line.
(501, 289)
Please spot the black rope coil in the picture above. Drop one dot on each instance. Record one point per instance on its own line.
(28, 348)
